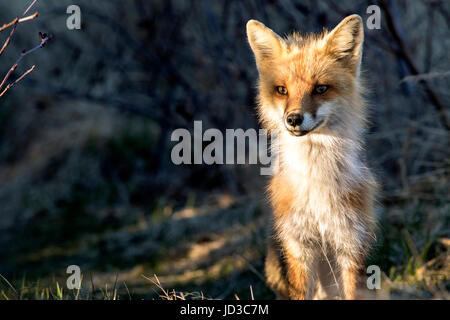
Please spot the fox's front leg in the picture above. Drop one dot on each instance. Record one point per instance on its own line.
(350, 271)
(349, 280)
(352, 255)
(301, 283)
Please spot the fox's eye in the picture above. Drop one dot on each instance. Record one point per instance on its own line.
(320, 89)
(282, 90)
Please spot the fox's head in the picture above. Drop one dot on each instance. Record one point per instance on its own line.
(307, 83)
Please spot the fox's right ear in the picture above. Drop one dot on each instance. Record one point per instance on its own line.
(265, 43)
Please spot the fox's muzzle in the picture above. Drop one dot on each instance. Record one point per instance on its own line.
(299, 124)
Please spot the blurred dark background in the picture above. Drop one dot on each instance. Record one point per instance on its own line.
(85, 171)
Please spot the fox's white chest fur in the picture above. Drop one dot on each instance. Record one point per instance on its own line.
(320, 169)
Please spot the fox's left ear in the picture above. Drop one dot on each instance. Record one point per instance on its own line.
(346, 40)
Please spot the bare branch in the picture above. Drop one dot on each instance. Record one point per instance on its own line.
(404, 52)
(16, 22)
(9, 86)
(43, 38)
(22, 55)
(28, 18)
(8, 40)
(425, 76)
(29, 7)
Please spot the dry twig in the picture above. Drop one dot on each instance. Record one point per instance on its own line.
(44, 41)
(43, 38)
(29, 7)
(24, 19)
(8, 40)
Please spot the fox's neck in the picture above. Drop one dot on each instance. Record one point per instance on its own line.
(332, 158)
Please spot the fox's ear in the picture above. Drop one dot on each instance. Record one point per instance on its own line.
(345, 41)
(265, 43)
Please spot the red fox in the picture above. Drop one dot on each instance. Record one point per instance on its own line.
(322, 194)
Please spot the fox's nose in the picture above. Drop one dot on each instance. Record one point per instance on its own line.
(293, 120)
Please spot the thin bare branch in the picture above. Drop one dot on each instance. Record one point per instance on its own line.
(24, 19)
(29, 7)
(9, 86)
(15, 23)
(8, 40)
(425, 76)
(22, 55)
